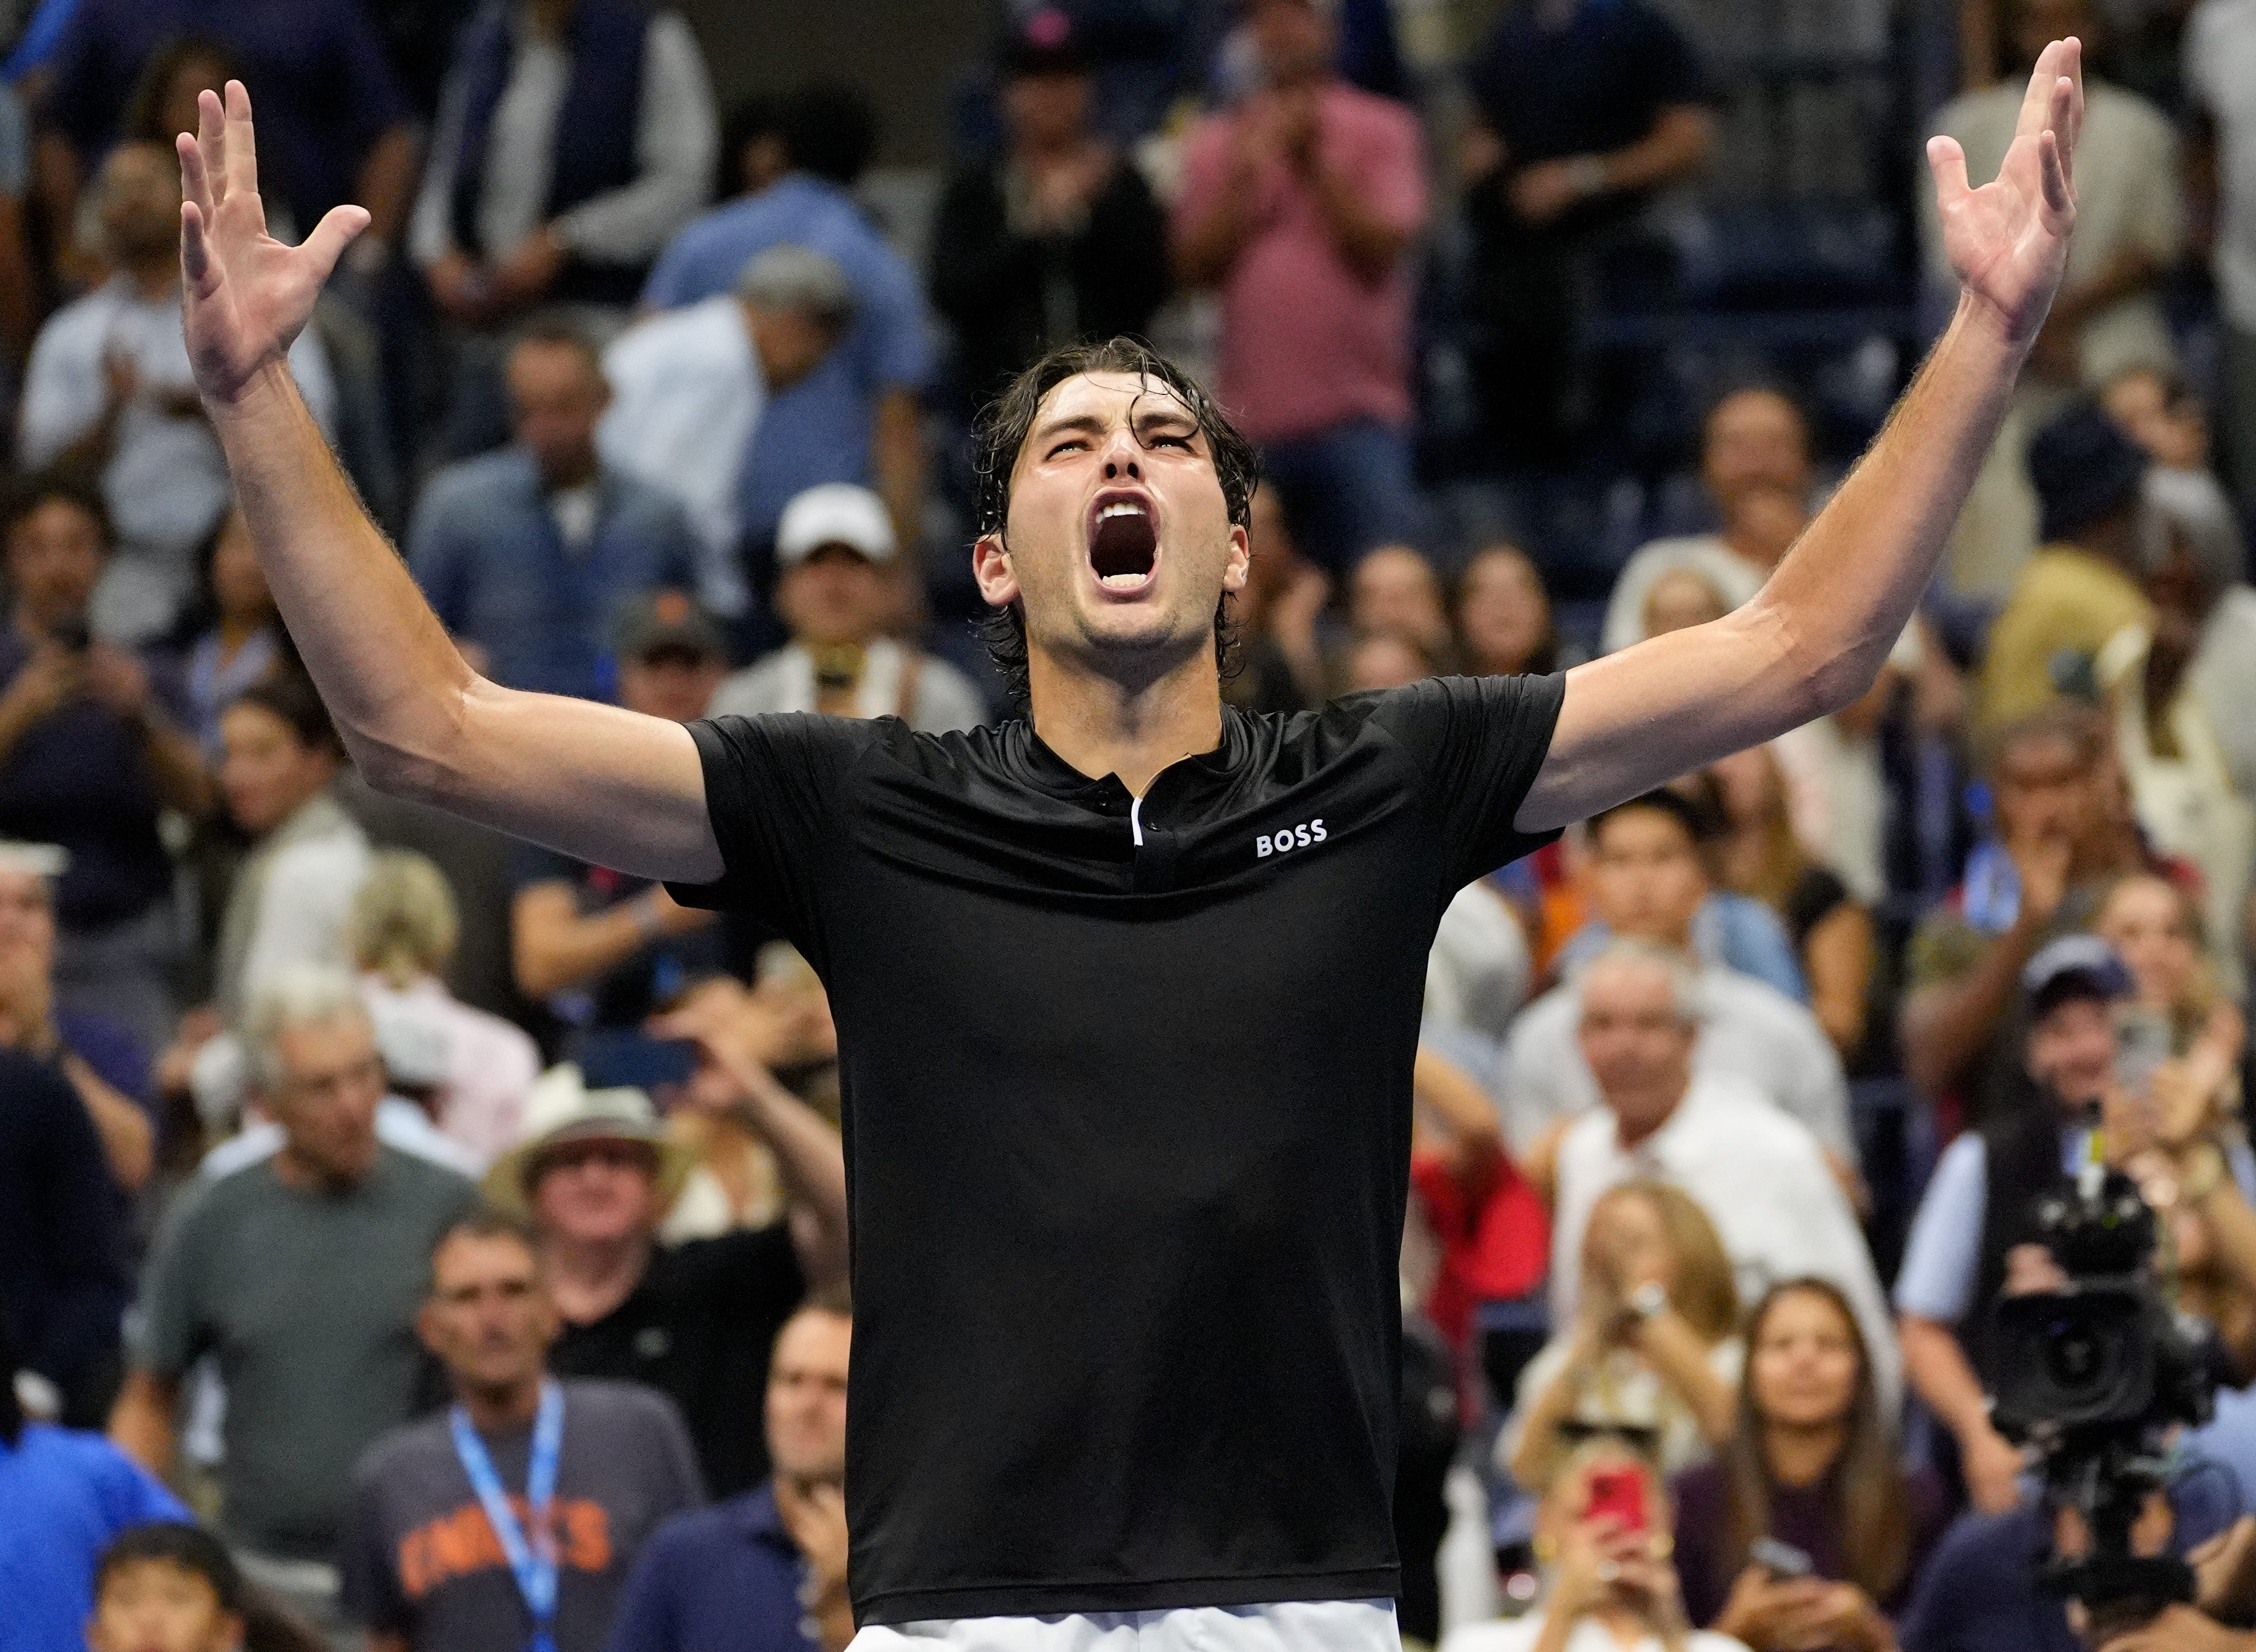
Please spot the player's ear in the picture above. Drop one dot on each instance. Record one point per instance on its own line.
(1240, 562)
(991, 566)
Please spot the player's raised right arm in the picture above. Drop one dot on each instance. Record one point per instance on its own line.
(596, 782)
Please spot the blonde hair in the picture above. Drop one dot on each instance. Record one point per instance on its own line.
(1705, 1292)
(403, 924)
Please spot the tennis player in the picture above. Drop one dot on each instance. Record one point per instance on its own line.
(1127, 993)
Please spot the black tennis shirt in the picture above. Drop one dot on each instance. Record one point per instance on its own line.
(1127, 1124)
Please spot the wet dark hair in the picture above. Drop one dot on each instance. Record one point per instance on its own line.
(293, 699)
(829, 130)
(999, 435)
(266, 1626)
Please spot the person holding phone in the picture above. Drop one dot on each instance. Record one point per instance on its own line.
(1807, 1530)
(1609, 1584)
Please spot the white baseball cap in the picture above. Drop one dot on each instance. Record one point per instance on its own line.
(834, 513)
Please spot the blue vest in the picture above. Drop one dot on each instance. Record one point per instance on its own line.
(594, 148)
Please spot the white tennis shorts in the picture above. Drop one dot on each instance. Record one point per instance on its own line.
(1290, 1626)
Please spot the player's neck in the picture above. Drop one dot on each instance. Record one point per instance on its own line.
(1104, 725)
(589, 1278)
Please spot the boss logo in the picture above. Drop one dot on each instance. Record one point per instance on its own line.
(1292, 838)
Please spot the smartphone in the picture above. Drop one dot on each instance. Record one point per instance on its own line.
(2142, 1043)
(1621, 1493)
(1783, 1561)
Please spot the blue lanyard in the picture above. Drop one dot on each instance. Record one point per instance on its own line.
(534, 1563)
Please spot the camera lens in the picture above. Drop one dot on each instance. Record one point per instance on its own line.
(2078, 1358)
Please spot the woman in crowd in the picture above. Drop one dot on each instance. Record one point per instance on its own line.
(403, 926)
(1279, 664)
(1377, 659)
(1504, 624)
(172, 1587)
(307, 856)
(1602, 1540)
(1653, 1347)
(234, 637)
(1806, 1531)
(1758, 854)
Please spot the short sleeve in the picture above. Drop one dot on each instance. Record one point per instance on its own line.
(900, 342)
(1480, 742)
(773, 789)
(369, 1587)
(131, 1496)
(1942, 1253)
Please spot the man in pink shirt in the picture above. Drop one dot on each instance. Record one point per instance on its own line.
(1301, 206)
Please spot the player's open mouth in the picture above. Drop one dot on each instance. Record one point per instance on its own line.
(1124, 541)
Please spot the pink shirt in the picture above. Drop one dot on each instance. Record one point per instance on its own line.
(1306, 342)
(492, 1064)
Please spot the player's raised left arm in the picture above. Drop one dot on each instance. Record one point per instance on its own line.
(1814, 639)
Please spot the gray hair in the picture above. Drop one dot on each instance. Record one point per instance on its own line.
(799, 278)
(1684, 991)
(296, 995)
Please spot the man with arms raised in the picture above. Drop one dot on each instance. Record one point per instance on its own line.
(1130, 1144)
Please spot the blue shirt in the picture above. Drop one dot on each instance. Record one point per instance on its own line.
(727, 1576)
(488, 553)
(64, 1496)
(819, 430)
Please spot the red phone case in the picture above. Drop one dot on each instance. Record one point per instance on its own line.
(1619, 1492)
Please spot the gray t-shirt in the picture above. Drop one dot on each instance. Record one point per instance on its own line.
(308, 1299)
(420, 1559)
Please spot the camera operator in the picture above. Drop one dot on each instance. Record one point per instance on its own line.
(1975, 1226)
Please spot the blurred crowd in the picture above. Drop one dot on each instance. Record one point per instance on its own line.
(343, 1146)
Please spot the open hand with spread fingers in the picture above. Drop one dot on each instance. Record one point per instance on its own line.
(245, 295)
(2007, 241)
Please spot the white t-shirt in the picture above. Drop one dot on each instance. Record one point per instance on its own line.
(944, 700)
(2220, 77)
(1761, 1179)
(1749, 1031)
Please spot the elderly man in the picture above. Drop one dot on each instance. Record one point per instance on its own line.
(1761, 1175)
(754, 1570)
(616, 1464)
(302, 1273)
(692, 388)
(1647, 884)
(696, 1320)
(529, 552)
(838, 586)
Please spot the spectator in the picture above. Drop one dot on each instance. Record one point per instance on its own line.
(1813, 1464)
(18, 289)
(288, 902)
(1395, 592)
(1653, 1348)
(694, 386)
(603, 950)
(427, 1561)
(1607, 1579)
(1504, 624)
(172, 1585)
(1754, 446)
(2082, 587)
(575, 138)
(65, 1494)
(695, 1320)
(1381, 659)
(2062, 835)
(1056, 240)
(855, 416)
(2155, 927)
(316, 1355)
(1647, 884)
(333, 126)
(108, 391)
(1584, 109)
(836, 587)
(2108, 314)
(1976, 1213)
(528, 553)
(1679, 599)
(1761, 1175)
(1300, 207)
(1759, 855)
(237, 637)
(2220, 81)
(63, 1285)
(753, 155)
(104, 1062)
(88, 755)
(1280, 666)
(1477, 971)
(753, 1571)
(403, 927)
